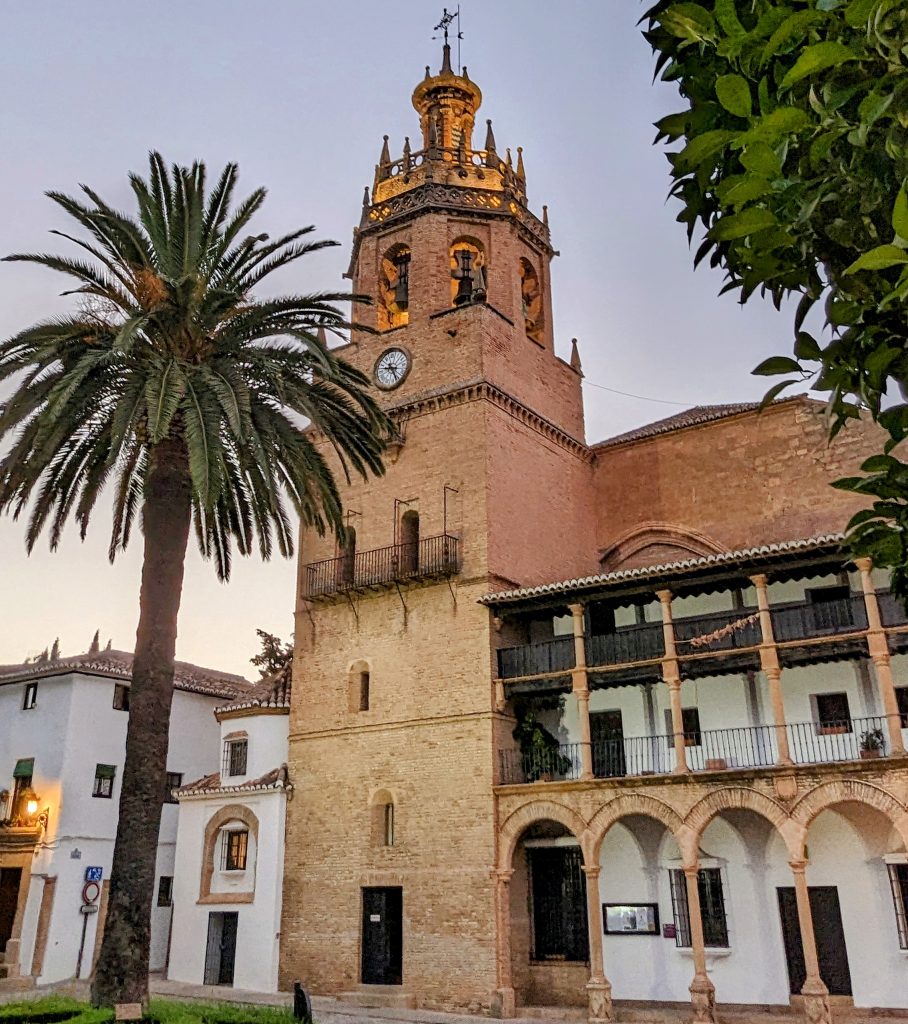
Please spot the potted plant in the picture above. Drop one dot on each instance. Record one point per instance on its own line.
(540, 750)
(872, 742)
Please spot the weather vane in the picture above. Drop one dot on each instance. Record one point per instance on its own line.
(447, 19)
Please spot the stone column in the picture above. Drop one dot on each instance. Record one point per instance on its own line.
(702, 990)
(599, 991)
(581, 690)
(505, 1002)
(815, 992)
(769, 663)
(878, 648)
(671, 673)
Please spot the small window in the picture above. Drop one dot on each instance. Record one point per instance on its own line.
(389, 824)
(901, 696)
(832, 713)
(31, 696)
(690, 726)
(104, 781)
(165, 891)
(22, 783)
(173, 780)
(898, 878)
(234, 849)
(358, 687)
(712, 908)
(235, 757)
(121, 697)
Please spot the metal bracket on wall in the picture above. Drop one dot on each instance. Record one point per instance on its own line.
(451, 588)
(402, 601)
(352, 604)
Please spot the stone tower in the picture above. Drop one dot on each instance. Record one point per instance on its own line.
(394, 730)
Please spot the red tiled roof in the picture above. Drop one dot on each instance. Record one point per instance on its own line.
(271, 692)
(690, 418)
(277, 778)
(118, 665)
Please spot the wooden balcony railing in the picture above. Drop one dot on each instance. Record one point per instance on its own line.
(399, 563)
(804, 620)
(706, 750)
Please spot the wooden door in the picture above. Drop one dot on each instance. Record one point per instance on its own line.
(830, 937)
(607, 736)
(10, 880)
(220, 954)
(382, 937)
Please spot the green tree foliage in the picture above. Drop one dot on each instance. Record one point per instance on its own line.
(187, 393)
(794, 166)
(275, 655)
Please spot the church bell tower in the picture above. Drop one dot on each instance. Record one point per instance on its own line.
(394, 726)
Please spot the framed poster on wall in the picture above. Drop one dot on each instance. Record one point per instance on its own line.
(630, 918)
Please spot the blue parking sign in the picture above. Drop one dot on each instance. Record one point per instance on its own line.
(94, 874)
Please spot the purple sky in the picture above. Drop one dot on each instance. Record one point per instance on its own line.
(300, 94)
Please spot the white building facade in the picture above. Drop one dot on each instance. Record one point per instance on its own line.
(62, 749)
(228, 875)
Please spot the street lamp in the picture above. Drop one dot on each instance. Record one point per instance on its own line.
(32, 802)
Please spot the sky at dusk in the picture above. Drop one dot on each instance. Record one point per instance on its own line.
(300, 94)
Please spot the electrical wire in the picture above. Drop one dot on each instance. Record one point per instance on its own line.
(642, 398)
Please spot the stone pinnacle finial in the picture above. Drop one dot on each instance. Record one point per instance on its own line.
(575, 357)
(463, 73)
(385, 153)
(95, 643)
(321, 335)
(521, 173)
(366, 199)
(490, 138)
(509, 161)
(545, 216)
(446, 68)
(428, 71)
(407, 154)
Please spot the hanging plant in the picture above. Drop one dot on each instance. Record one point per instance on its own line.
(540, 749)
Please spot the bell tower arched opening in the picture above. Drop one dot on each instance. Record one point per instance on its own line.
(394, 288)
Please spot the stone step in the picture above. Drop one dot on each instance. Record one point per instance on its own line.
(556, 1013)
(378, 997)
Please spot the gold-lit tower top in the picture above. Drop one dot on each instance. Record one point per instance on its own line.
(447, 104)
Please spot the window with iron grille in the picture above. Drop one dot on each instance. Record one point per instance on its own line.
(121, 697)
(104, 781)
(234, 845)
(165, 891)
(898, 879)
(172, 781)
(712, 908)
(558, 896)
(31, 696)
(235, 753)
(901, 696)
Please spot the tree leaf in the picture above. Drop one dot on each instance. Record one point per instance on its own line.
(880, 258)
(776, 364)
(733, 93)
(739, 225)
(689, 21)
(700, 149)
(774, 393)
(816, 58)
(900, 212)
(858, 12)
(806, 346)
(761, 159)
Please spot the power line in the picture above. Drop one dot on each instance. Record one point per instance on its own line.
(642, 398)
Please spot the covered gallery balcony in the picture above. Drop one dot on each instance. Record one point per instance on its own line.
(425, 559)
(789, 655)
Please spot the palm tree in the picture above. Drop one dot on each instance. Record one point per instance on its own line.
(189, 396)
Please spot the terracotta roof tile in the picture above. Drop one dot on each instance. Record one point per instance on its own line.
(689, 418)
(209, 785)
(118, 665)
(271, 692)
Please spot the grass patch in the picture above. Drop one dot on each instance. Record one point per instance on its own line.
(58, 1010)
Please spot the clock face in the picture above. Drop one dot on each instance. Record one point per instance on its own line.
(391, 368)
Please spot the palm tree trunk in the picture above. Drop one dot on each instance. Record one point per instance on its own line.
(122, 971)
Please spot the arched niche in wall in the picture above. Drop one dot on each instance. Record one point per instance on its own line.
(468, 271)
(394, 288)
(383, 818)
(230, 818)
(359, 682)
(531, 300)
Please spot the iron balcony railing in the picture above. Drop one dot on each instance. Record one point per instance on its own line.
(706, 750)
(804, 620)
(431, 556)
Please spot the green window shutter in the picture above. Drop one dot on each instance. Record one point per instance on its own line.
(25, 768)
(105, 771)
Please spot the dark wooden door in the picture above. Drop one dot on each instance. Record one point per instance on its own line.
(830, 938)
(220, 955)
(382, 951)
(10, 879)
(607, 736)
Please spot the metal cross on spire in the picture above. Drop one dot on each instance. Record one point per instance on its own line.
(447, 19)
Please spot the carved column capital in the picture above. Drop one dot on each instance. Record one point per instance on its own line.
(665, 596)
(591, 871)
(798, 866)
(503, 875)
(864, 564)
